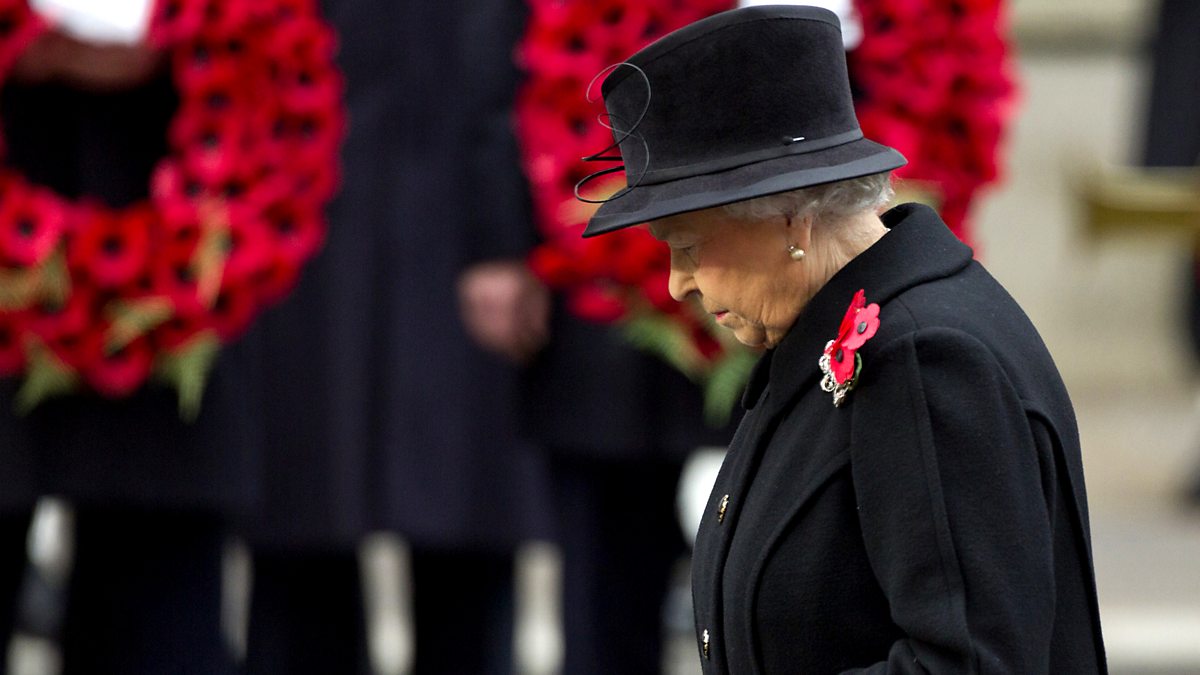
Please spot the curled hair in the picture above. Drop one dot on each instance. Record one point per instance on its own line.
(828, 202)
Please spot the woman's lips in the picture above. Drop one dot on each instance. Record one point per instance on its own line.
(720, 315)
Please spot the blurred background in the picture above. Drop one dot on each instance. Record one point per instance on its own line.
(1108, 285)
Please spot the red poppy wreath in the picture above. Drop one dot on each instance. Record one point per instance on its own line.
(101, 299)
(930, 78)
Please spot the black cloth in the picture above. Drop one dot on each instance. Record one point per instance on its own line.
(17, 465)
(1173, 117)
(937, 521)
(306, 615)
(590, 393)
(379, 411)
(620, 542)
(145, 595)
(136, 451)
(464, 608)
(14, 528)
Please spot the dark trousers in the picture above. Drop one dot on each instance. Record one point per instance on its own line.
(145, 595)
(14, 528)
(463, 612)
(307, 615)
(620, 540)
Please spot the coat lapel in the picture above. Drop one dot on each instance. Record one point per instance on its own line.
(919, 248)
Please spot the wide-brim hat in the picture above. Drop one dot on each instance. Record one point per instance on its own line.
(743, 104)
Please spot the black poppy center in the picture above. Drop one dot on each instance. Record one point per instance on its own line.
(112, 245)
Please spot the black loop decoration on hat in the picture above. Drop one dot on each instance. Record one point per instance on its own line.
(619, 137)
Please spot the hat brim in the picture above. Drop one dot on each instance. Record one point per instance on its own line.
(644, 203)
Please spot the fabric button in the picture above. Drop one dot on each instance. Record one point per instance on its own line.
(721, 509)
(704, 643)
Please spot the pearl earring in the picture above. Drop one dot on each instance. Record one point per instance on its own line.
(796, 252)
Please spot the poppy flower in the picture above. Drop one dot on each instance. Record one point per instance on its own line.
(51, 320)
(31, 225)
(273, 282)
(179, 329)
(249, 251)
(859, 324)
(553, 265)
(643, 255)
(175, 21)
(19, 26)
(230, 18)
(211, 146)
(113, 250)
(620, 26)
(297, 232)
(207, 62)
(300, 48)
(232, 312)
(114, 373)
(595, 303)
(174, 273)
(558, 43)
(656, 289)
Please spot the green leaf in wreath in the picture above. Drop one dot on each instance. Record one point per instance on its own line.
(49, 282)
(187, 369)
(725, 384)
(668, 339)
(18, 288)
(130, 319)
(46, 376)
(208, 262)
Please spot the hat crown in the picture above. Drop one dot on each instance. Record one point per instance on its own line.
(735, 88)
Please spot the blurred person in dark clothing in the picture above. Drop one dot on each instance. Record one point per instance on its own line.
(17, 497)
(1172, 128)
(380, 413)
(151, 492)
(616, 425)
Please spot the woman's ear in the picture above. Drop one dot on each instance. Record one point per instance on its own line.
(799, 231)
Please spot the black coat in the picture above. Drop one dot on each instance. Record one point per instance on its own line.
(18, 489)
(936, 522)
(1172, 134)
(380, 411)
(137, 451)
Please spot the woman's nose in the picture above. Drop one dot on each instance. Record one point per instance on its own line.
(681, 283)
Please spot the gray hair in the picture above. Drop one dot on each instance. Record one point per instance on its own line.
(828, 202)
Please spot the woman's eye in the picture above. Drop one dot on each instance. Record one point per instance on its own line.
(688, 251)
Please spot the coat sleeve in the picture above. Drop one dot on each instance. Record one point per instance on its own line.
(948, 478)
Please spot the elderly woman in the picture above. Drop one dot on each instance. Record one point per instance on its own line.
(905, 493)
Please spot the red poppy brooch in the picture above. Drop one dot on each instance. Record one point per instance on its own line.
(841, 362)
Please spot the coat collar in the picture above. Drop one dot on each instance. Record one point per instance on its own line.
(919, 248)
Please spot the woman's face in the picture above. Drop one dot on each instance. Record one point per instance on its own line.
(740, 271)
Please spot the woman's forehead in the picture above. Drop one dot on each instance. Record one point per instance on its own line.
(681, 222)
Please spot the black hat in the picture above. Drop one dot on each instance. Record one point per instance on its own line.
(742, 104)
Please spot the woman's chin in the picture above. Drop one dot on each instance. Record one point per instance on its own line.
(751, 337)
